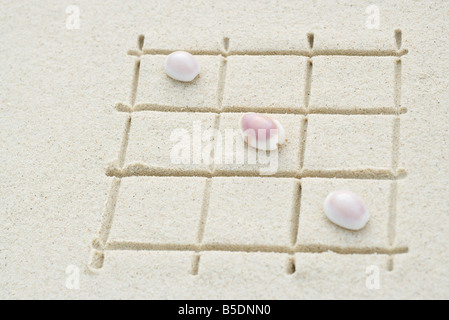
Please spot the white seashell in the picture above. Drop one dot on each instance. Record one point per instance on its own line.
(261, 132)
(182, 66)
(346, 210)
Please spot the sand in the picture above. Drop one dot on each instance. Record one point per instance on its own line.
(92, 207)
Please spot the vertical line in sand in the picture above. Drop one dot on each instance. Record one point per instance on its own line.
(390, 263)
(398, 85)
(140, 41)
(395, 152)
(97, 253)
(132, 101)
(216, 137)
(398, 38)
(294, 226)
(96, 259)
(296, 210)
(222, 73)
(393, 212)
(226, 46)
(307, 91)
(302, 151)
(395, 144)
(204, 211)
(207, 190)
(311, 41)
(109, 210)
(220, 93)
(202, 225)
(135, 83)
(196, 264)
(309, 72)
(295, 214)
(125, 140)
(291, 267)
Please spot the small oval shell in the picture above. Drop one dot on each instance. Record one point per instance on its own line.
(182, 66)
(261, 132)
(347, 210)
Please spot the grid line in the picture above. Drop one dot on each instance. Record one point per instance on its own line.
(119, 171)
(291, 263)
(140, 170)
(154, 107)
(99, 244)
(143, 246)
(395, 151)
(300, 53)
(207, 190)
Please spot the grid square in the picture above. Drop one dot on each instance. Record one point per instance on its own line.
(315, 229)
(262, 83)
(294, 42)
(154, 141)
(215, 263)
(251, 211)
(156, 88)
(347, 273)
(147, 211)
(285, 161)
(331, 41)
(348, 84)
(341, 142)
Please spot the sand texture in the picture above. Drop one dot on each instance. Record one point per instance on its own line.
(93, 206)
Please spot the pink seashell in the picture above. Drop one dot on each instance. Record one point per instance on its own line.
(261, 131)
(182, 66)
(346, 209)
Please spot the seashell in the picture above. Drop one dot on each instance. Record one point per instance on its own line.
(261, 132)
(346, 209)
(182, 66)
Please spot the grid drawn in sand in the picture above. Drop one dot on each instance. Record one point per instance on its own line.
(201, 188)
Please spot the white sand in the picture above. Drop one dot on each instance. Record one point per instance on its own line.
(376, 122)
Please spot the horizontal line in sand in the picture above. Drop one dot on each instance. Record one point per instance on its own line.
(139, 169)
(141, 246)
(123, 107)
(301, 53)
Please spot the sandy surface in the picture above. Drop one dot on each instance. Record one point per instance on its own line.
(84, 111)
